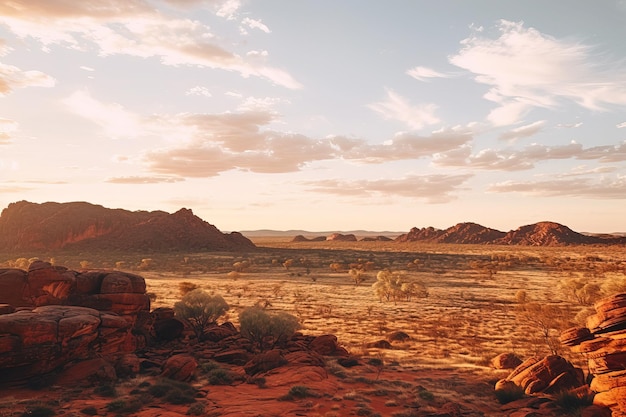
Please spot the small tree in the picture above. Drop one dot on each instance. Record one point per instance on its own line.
(267, 330)
(395, 286)
(200, 309)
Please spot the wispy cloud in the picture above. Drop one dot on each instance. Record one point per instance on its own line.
(7, 128)
(435, 188)
(122, 27)
(621, 125)
(603, 188)
(522, 131)
(143, 180)
(198, 91)
(425, 74)
(111, 117)
(12, 77)
(529, 156)
(255, 24)
(398, 108)
(525, 68)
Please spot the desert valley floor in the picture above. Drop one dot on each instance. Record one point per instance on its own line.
(470, 315)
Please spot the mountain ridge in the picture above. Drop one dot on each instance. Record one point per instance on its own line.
(86, 226)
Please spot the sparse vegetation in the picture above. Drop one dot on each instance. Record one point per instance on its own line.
(200, 309)
(509, 393)
(266, 330)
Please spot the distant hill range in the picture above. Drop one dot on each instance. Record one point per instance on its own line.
(85, 226)
(538, 234)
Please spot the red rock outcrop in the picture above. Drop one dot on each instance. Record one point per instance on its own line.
(603, 343)
(80, 225)
(538, 234)
(64, 315)
(549, 375)
(339, 237)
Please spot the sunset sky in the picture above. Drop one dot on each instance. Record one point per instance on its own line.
(317, 114)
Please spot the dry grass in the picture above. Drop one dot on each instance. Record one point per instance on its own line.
(468, 318)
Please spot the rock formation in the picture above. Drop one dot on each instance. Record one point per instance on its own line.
(538, 234)
(53, 315)
(549, 375)
(339, 237)
(84, 226)
(603, 343)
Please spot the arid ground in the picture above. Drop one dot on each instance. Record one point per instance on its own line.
(471, 314)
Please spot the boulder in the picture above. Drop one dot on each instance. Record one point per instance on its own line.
(14, 287)
(233, 356)
(180, 367)
(92, 371)
(264, 362)
(506, 361)
(327, 345)
(548, 375)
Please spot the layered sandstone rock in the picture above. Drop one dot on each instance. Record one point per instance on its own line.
(52, 316)
(603, 343)
(550, 375)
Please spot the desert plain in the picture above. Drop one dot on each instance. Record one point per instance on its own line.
(431, 353)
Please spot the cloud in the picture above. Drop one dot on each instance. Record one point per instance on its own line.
(12, 77)
(264, 104)
(526, 158)
(603, 188)
(436, 188)
(7, 128)
(621, 125)
(569, 125)
(116, 121)
(255, 24)
(134, 28)
(198, 91)
(143, 180)
(425, 74)
(522, 131)
(398, 108)
(525, 68)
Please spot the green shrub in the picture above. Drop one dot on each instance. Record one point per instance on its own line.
(572, 402)
(89, 411)
(298, 392)
(509, 393)
(106, 390)
(267, 330)
(208, 366)
(220, 376)
(200, 309)
(38, 411)
(426, 395)
(173, 392)
(196, 409)
(124, 406)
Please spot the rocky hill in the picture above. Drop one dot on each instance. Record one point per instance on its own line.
(85, 226)
(538, 234)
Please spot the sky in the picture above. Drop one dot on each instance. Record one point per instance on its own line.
(319, 115)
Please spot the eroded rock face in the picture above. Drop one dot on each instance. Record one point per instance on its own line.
(548, 375)
(603, 343)
(506, 361)
(63, 316)
(39, 341)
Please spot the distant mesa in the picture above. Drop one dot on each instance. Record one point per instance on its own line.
(301, 238)
(538, 234)
(85, 226)
(339, 237)
(376, 239)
